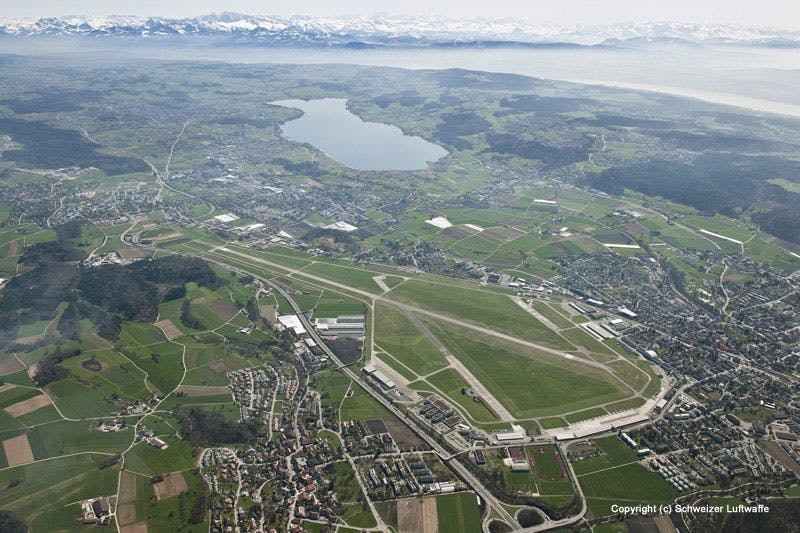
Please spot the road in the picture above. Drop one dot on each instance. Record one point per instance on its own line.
(411, 308)
(492, 503)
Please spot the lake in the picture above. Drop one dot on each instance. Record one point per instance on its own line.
(328, 125)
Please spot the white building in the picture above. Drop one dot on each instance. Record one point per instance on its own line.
(517, 433)
(292, 322)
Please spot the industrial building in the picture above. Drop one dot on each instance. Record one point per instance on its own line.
(341, 326)
(379, 376)
(293, 323)
(517, 433)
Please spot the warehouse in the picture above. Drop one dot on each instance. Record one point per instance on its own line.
(516, 433)
(379, 376)
(293, 323)
(341, 326)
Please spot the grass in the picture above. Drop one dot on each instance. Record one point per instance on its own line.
(118, 373)
(80, 400)
(218, 399)
(528, 382)
(557, 318)
(349, 494)
(332, 386)
(46, 493)
(31, 330)
(580, 338)
(205, 316)
(493, 310)
(207, 377)
(137, 334)
(630, 373)
(64, 437)
(586, 414)
(546, 464)
(173, 513)
(361, 406)
(42, 415)
(630, 483)
(624, 405)
(172, 311)
(450, 382)
(614, 453)
(148, 460)
(15, 395)
(162, 362)
(199, 353)
(552, 422)
(331, 306)
(458, 513)
(351, 276)
(548, 475)
(396, 334)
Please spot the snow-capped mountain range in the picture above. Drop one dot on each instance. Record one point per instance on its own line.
(389, 30)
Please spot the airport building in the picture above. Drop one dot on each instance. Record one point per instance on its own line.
(379, 376)
(341, 326)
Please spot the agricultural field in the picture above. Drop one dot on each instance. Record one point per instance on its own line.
(45, 494)
(361, 406)
(631, 483)
(458, 513)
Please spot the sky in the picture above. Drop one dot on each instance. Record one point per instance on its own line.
(775, 13)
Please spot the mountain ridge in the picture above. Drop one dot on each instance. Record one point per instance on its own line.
(396, 31)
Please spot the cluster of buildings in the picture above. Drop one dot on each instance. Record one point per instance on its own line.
(517, 460)
(253, 391)
(388, 478)
(271, 484)
(96, 511)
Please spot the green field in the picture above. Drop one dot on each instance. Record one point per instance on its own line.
(349, 494)
(64, 437)
(450, 382)
(333, 386)
(396, 334)
(488, 308)
(331, 305)
(362, 406)
(118, 373)
(80, 400)
(529, 383)
(351, 276)
(629, 483)
(458, 513)
(45, 494)
(550, 312)
(613, 452)
(171, 514)
(137, 334)
(17, 394)
(162, 362)
(148, 460)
